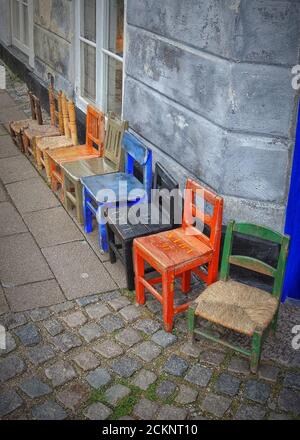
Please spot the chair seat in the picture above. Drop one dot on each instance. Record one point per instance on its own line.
(17, 126)
(175, 249)
(112, 182)
(41, 130)
(53, 142)
(237, 306)
(89, 167)
(71, 154)
(151, 221)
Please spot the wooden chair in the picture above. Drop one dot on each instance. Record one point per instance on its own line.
(111, 162)
(112, 185)
(95, 132)
(239, 307)
(31, 134)
(69, 139)
(121, 232)
(180, 252)
(16, 127)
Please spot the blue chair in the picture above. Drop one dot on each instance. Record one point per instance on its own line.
(103, 192)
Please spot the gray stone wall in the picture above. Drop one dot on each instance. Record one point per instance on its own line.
(5, 22)
(208, 85)
(53, 41)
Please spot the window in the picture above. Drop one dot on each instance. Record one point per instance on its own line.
(100, 33)
(22, 26)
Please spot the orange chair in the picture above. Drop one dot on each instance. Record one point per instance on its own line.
(180, 252)
(95, 133)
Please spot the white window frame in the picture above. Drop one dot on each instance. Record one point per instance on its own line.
(27, 50)
(102, 36)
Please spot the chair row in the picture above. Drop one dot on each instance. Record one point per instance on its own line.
(90, 177)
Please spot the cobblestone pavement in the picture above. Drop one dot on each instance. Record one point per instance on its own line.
(77, 345)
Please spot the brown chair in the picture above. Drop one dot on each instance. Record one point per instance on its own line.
(69, 139)
(16, 127)
(56, 127)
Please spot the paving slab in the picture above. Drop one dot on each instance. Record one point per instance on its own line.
(6, 102)
(7, 147)
(32, 195)
(3, 195)
(49, 410)
(73, 396)
(21, 261)
(41, 294)
(16, 169)
(12, 113)
(83, 275)
(52, 226)
(118, 273)
(10, 220)
(3, 303)
(3, 130)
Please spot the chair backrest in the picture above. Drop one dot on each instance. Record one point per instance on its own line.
(251, 263)
(212, 220)
(164, 181)
(135, 151)
(35, 106)
(95, 129)
(65, 116)
(56, 110)
(72, 122)
(113, 139)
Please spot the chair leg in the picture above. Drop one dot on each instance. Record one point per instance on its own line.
(191, 323)
(87, 214)
(255, 351)
(102, 237)
(21, 142)
(111, 240)
(129, 265)
(65, 189)
(186, 281)
(139, 267)
(212, 272)
(79, 202)
(168, 280)
(38, 155)
(48, 166)
(274, 323)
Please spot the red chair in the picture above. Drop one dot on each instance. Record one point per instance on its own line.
(180, 252)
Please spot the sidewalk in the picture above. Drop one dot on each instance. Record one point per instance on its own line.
(78, 346)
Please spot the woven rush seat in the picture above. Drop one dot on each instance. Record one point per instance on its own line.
(52, 143)
(237, 306)
(18, 126)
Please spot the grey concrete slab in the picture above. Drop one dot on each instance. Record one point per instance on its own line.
(15, 169)
(10, 220)
(52, 226)
(6, 101)
(117, 272)
(7, 147)
(11, 114)
(78, 270)
(3, 195)
(32, 296)
(92, 239)
(3, 130)
(21, 261)
(3, 304)
(32, 195)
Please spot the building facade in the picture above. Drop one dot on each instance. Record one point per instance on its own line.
(206, 83)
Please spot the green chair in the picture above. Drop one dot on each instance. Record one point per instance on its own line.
(237, 306)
